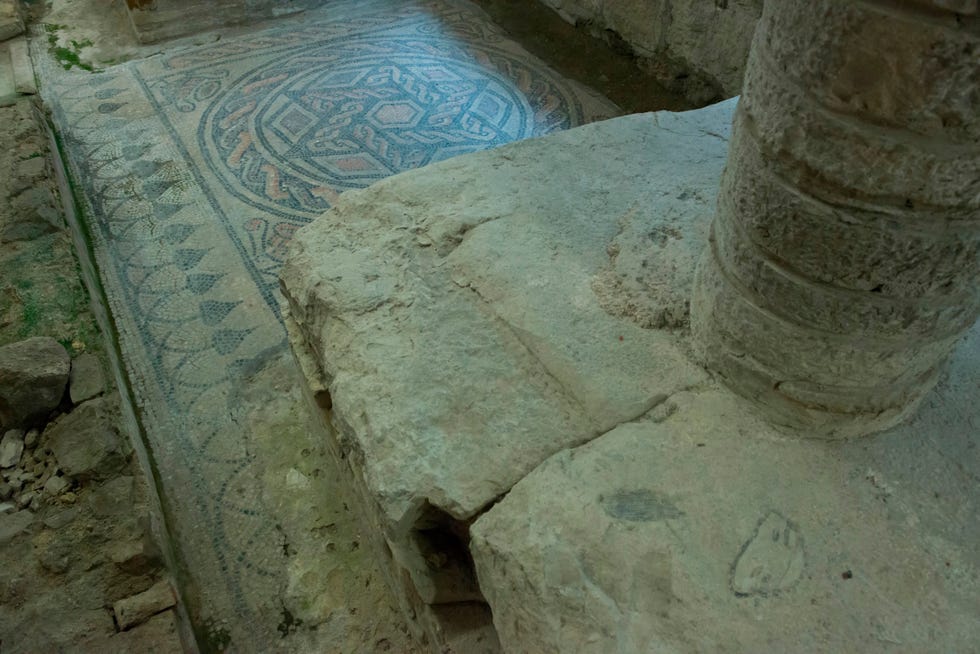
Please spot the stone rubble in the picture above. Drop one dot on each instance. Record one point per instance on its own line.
(86, 442)
(76, 530)
(68, 497)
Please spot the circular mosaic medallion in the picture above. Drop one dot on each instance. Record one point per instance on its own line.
(293, 133)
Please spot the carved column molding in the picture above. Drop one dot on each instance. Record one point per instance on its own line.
(844, 261)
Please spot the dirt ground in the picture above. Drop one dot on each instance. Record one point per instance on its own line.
(73, 543)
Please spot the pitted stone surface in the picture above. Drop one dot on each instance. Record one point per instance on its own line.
(87, 379)
(455, 320)
(843, 259)
(689, 526)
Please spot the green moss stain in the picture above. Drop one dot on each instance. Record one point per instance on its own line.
(68, 57)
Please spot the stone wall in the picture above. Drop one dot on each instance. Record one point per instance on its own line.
(156, 20)
(697, 47)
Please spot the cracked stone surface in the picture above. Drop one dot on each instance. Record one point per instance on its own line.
(709, 531)
(462, 328)
(473, 332)
(454, 324)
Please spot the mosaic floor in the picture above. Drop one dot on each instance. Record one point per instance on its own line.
(196, 167)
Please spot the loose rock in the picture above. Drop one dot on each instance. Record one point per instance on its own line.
(114, 497)
(135, 557)
(138, 608)
(86, 379)
(33, 211)
(85, 442)
(61, 518)
(28, 500)
(55, 486)
(31, 438)
(11, 447)
(33, 376)
(12, 524)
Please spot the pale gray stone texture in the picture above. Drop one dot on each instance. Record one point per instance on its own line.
(457, 322)
(439, 314)
(370, 286)
(711, 531)
(844, 256)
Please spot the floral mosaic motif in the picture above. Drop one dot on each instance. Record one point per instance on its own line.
(340, 114)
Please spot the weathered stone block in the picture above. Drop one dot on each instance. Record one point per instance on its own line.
(33, 375)
(86, 443)
(87, 379)
(454, 321)
(700, 38)
(139, 608)
(11, 24)
(11, 447)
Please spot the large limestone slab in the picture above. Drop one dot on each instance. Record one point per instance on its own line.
(455, 317)
(701, 529)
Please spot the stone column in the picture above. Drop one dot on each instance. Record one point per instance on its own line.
(844, 260)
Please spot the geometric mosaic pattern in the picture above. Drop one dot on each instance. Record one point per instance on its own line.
(196, 168)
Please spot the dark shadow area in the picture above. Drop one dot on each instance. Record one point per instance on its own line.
(575, 53)
(443, 544)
